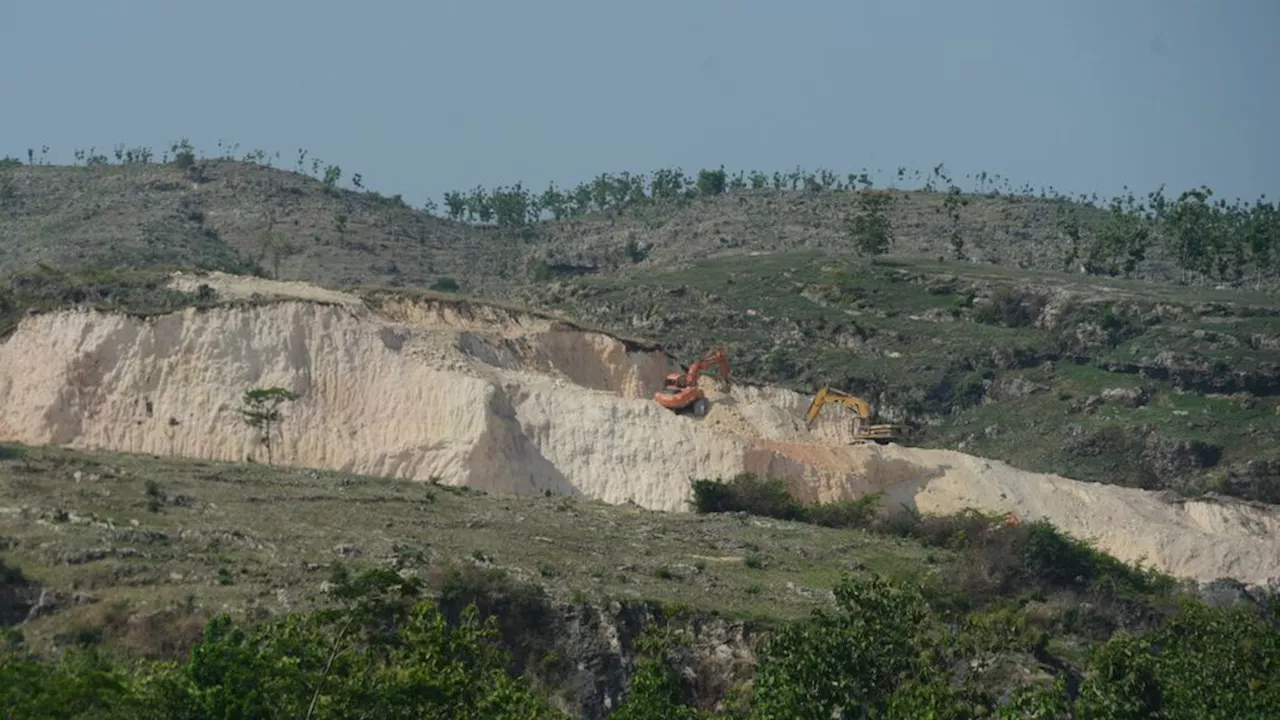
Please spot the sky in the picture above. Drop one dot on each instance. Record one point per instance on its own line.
(424, 97)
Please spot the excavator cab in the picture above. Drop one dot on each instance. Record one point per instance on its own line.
(863, 430)
(680, 392)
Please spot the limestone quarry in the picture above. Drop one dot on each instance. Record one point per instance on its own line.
(511, 401)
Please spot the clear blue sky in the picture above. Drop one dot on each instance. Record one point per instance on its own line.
(421, 97)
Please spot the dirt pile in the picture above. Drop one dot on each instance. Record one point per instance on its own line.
(514, 402)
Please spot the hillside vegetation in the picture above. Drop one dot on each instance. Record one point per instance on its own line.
(226, 213)
(1117, 381)
(948, 309)
(174, 588)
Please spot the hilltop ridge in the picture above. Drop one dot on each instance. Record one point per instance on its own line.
(242, 215)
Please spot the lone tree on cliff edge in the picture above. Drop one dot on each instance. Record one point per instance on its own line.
(261, 411)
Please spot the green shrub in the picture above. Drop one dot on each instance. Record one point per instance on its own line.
(845, 513)
(656, 691)
(522, 612)
(1011, 308)
(380, 653)
(769, 497)
(445, 284)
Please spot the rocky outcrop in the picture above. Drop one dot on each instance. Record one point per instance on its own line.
(1192, 373)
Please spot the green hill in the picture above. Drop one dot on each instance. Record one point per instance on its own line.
(1136, 344)
(1169, 377)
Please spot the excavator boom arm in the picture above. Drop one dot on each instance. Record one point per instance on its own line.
(826, 395)
(718, 356)
(816, 406)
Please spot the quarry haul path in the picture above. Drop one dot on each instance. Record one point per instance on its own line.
(514, 402)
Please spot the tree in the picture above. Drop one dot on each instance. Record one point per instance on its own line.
(381, 652)
(260, 410)
(554, 201)
(712, 182)
(1122, 240)
(275, 244)
(184, 155)
(1262, 237)
(1066, 222)
(332, 174)
(655, 692)
(479, 205)
(667, 184)
(511, 206)
(871, 230)
(847, 663)
(455, 204)
(1205, 663)
(1190, 226)
(952, 204)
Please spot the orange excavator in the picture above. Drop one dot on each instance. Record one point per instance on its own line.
(681, 394)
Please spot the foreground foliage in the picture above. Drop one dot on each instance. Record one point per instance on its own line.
(382, 653)
(969, 646)
(883, 652)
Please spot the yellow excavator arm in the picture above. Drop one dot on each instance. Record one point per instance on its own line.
(826, 395)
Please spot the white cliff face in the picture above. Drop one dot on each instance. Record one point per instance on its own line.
(514, 403)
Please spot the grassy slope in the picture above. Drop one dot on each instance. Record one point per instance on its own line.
(214, 216)
(802, 316)
(999, 362)
(248, 539)
(142, 550)
(145, 215)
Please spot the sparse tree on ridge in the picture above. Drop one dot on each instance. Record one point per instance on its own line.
(870, 229)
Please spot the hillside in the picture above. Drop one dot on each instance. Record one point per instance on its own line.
(442, 389)
(500, 445)
(233, 215)
(1144, 383)
(226, 215)
(1128, 382)
(129, 557)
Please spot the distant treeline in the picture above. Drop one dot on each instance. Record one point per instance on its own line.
(1206, 236)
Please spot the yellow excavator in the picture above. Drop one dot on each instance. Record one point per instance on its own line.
(862, 427)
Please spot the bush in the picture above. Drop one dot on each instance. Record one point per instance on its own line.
(382, 653)
(1001, 558)
(522, 612)
(765, 497)
(846, 513)
(656, 690)
(1010, 308)
(769, 497)
(445, 284)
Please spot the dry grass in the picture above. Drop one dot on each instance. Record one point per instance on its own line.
(252, 540)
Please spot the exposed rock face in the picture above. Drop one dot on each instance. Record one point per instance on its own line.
(597, 649)
(1004, 389)
(512, 402)
(1128, 397)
